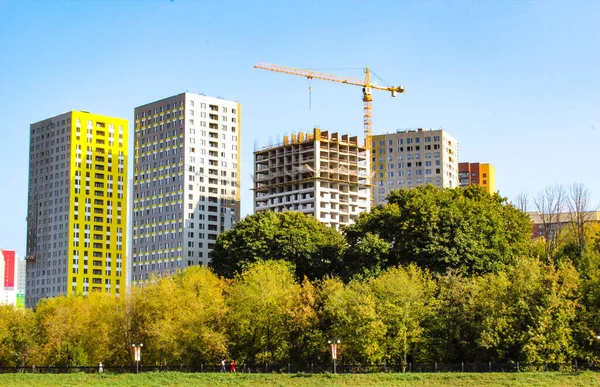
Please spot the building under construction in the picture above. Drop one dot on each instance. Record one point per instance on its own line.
(321, 174)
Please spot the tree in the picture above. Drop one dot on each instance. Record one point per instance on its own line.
(312, 247)
(405, 299)
(588, 318)
(307, 337)
(266, 308)
(464, 228)
(526, 313)
(367, 255)
(550, 204)
(451, 334)
(75, 330)
(352, 313)
(579, 204)
(17, 332)
(522, 201)
(546, 298)
(181, 318)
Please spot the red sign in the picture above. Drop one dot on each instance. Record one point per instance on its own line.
(334, 351)
(9, 268)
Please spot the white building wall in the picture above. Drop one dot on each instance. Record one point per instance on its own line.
(12, 295)
(186, 186)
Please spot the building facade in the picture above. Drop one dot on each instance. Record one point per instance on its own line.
(548, 224)
(410, 158)
(12, 271)
(324, 175)
(186, 182)
(477, 174)
(77, 212)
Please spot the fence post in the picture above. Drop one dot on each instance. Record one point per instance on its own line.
(409, 367)
(575, 365)
(518, 367)
(490, 366)
(266, 368)
(462, 366)
(201, 368)
(384, 367)
(288, 368)
(546, 367)
(311, 368)
(436, 366)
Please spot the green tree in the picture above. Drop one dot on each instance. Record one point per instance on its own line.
(268, 312)
(466, 229)
(451, 334)
(367, 255)
(588, 318)
(181, 319)
(527, 314)
(405, 299)
(352, 312)
(312, 247)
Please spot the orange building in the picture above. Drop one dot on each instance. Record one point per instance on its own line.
(476, 173)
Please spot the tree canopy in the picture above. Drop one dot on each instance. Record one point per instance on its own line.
(312, 247)
(466, 229)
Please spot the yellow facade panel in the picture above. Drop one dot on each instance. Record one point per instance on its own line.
(98, 203)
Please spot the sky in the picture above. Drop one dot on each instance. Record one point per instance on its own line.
(517, 83)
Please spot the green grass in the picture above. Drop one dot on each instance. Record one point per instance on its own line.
(551, 379)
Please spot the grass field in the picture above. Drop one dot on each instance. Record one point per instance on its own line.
(550, 379)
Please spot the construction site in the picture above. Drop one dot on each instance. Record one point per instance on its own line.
(322, 174)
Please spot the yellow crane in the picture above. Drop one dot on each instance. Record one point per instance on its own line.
(366, 84)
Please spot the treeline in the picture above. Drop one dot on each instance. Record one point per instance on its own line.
(434, 276)
(532, 312)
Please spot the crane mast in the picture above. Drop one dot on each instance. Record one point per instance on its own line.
(366, 84)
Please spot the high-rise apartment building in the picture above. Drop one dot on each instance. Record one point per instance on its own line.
(410, 158)
(12, 272)
(77, 211)
(186, 185)
(477, 174)
(325, 175)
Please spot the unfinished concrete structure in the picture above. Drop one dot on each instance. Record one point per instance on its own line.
(325, 175)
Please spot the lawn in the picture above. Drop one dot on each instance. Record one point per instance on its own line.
(549, 379)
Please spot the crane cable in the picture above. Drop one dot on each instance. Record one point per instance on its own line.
(309, 95)
(381, 79)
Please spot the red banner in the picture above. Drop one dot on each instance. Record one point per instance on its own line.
(9, 268)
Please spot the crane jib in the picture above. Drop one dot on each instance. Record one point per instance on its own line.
(365, 84)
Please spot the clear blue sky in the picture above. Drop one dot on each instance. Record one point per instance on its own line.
(517, 82)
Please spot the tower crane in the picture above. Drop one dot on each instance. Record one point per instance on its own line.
(366, 84)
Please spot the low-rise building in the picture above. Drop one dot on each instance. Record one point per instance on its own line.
(556, 222)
